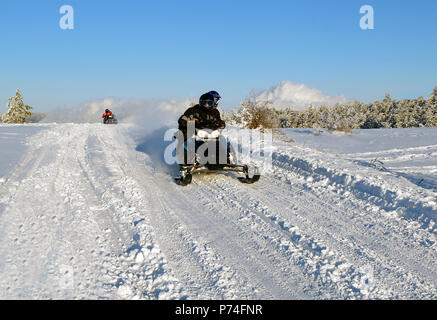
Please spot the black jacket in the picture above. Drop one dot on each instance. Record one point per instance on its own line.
(204, 118)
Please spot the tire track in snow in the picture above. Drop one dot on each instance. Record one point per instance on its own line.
(145, 273)
(397, 268)
(81, 198)
(241, 250)
(332, 276)
(417, 207)
(43, 219)
(237, 247)
(59, 220)
(338, 277)
(220, 277)
(416, 275)
(358, 208)
(398, 257)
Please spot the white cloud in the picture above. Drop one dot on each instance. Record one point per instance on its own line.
(297, 96)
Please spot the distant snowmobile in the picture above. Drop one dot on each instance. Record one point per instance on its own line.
(223, 159)
(109, 117)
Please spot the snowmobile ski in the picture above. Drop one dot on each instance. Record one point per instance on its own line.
(184, 180)
(248, 180)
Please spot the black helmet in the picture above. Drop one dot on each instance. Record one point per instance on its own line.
(207, 100)
(107, 110)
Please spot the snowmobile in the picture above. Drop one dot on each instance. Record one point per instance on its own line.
(222, 159)
(111, 119)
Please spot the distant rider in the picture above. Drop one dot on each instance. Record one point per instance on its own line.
(106, 115)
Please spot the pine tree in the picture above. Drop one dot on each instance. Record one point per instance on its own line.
(357, 115)
(254, 114)
(433, 97)
(17, 111)
(371, 117)
(431, 112)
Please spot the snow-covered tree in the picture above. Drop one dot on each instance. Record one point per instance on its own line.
(433, 97)
(313, 118)
(254, 114)
(356, 115)
(431, 112)
(17, 110)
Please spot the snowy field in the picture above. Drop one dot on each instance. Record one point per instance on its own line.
(90, 212)
(408, 153)
(13, 145)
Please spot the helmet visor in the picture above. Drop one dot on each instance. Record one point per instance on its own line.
(208, 103)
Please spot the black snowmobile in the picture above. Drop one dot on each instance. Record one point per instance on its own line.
(207, 152)
(111, 119)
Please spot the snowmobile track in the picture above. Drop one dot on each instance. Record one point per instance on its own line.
(85, 216)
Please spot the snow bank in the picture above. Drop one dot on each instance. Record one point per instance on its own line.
(363, 175)
(14, 144)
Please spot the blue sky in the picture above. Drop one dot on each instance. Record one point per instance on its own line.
(164, 49)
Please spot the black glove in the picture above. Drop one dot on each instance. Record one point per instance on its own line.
(221, 124)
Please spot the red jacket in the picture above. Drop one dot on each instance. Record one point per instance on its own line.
(107, 114)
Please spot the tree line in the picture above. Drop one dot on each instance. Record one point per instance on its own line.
(388, 113)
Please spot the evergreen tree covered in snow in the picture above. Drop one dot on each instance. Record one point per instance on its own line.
(17, 110)
(431, 112)
(254, 114)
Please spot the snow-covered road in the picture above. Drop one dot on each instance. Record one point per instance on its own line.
(88, 213)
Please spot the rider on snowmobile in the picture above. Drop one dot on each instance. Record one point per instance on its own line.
(106, 115)
(205, 114)
(195, 158)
